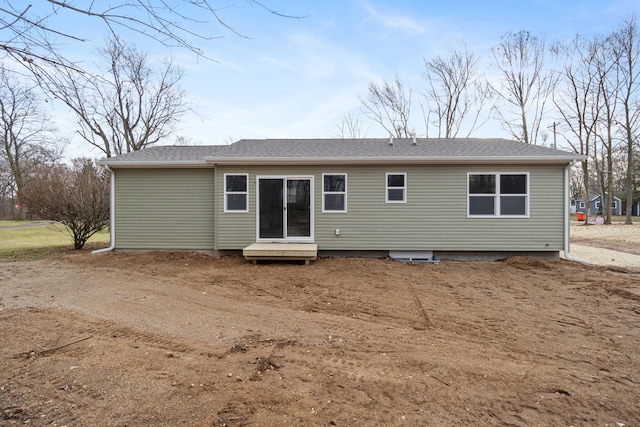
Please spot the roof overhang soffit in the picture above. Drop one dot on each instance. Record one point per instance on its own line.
(155, 165)
(391, 160)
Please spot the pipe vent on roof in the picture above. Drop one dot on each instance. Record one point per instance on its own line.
(390, 141)
(414, 139)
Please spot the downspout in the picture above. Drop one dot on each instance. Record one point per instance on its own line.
(567, 201)
(112, 214)
(215, 206)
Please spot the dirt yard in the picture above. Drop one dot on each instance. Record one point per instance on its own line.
(167, 339)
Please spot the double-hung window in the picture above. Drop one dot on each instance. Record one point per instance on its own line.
(498, 194)
(334, 192)
(396, 187)
(236, 192)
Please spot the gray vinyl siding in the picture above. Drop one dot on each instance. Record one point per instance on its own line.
(433, 218)
(165, 209)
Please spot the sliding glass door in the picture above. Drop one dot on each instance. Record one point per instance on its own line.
(285, 208)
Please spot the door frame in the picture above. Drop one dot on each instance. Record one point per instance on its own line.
(286, 239)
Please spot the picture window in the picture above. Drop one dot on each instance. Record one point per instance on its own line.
(498, 194)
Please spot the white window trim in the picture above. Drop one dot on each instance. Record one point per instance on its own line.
(497, 195)
(597, 205)
(581, 205)
(246, 193)
(386, 187)
(335, 192)
(311, 179)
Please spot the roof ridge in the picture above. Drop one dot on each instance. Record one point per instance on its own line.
(331, 150)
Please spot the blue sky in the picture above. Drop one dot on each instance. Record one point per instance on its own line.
(296, 78)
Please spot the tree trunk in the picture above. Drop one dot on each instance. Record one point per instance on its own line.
(610, 195)
(585, 191)
(629, 179)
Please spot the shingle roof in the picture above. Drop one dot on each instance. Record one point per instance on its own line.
(368, 150)
(166, 154)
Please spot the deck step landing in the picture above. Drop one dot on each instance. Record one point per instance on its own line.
(281, 251)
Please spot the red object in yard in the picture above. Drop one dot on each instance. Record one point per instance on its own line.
(580, 216)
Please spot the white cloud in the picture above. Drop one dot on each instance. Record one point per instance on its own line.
(320, 58)
(392, 22)
(277, 63)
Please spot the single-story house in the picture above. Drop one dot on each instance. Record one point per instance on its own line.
(449, 198)
(595, 203)
(572, 206)
(635, 207)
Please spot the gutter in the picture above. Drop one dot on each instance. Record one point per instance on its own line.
(387, 160)
(208, 162)
(112, 214)
(155, 164)
(567, 201)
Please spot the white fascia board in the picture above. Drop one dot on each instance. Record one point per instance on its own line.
(152, 165)
(388, 160)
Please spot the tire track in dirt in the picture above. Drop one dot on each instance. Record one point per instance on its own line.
(518, 342)
(74, 325)
(65, 375)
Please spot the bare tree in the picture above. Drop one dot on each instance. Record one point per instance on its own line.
(455, 91)
(7, 192)
(34, 35)
(76, 196)
(525, 87)
(636, 177)
(620, 169)
(24, 131)
(609, 82)
(626, 44)
(350, 126)
(389, 104)
(132, 105)
(576, 181)
(578, 99)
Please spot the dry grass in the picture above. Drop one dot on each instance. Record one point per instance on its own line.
(29, 240)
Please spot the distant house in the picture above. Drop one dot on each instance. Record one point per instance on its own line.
(635, 207)
(453, 198)
(597, 206)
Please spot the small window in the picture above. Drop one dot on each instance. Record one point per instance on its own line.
(482, 190)
(334, 192)
(597, 205)
(396, 187)
(498, 194)
(236, 193)
(581, 205)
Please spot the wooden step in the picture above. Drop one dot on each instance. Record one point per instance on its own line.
(281, 251)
